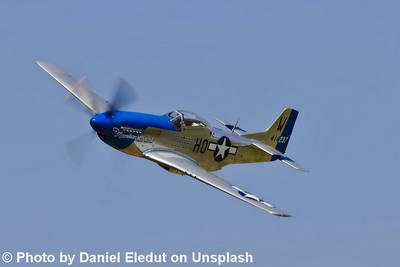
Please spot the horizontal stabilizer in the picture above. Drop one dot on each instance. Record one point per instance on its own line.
(234, 128)
(292, 164)
(278, 155)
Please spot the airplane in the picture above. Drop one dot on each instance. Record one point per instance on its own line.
(180, 141)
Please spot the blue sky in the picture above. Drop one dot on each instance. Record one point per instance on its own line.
(337, 62)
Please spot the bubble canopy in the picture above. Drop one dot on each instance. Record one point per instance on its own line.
(179, 117)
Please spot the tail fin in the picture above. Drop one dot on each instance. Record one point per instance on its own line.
(278, 134)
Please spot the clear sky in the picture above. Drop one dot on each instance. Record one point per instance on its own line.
(337, 62)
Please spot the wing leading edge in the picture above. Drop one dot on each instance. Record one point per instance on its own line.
(190, 167)
(95, 103)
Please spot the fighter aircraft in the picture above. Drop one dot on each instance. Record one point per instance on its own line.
(180, 141)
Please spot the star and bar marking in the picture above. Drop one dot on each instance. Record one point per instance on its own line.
(222, 148)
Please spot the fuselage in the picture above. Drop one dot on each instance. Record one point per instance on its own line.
(133, 133)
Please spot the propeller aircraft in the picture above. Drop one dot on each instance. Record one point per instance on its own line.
(180, 141)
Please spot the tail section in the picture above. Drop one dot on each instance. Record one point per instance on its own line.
(278, 134)
(276, 138)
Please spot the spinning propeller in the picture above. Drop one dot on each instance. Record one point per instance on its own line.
(123, 96)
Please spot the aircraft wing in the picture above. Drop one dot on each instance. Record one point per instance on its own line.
(190, 167)
(77, 88)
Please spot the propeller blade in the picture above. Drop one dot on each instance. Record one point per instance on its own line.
(77, 148)
(124, 95)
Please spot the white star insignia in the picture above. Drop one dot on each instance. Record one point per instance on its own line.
(222, 149)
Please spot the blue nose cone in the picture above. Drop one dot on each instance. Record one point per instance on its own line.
(102, 123)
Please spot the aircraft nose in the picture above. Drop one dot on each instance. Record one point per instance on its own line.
(102, 123)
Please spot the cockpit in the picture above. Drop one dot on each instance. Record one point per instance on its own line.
(186, 118)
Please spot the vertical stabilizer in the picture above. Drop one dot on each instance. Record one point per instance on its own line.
(278, 134)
